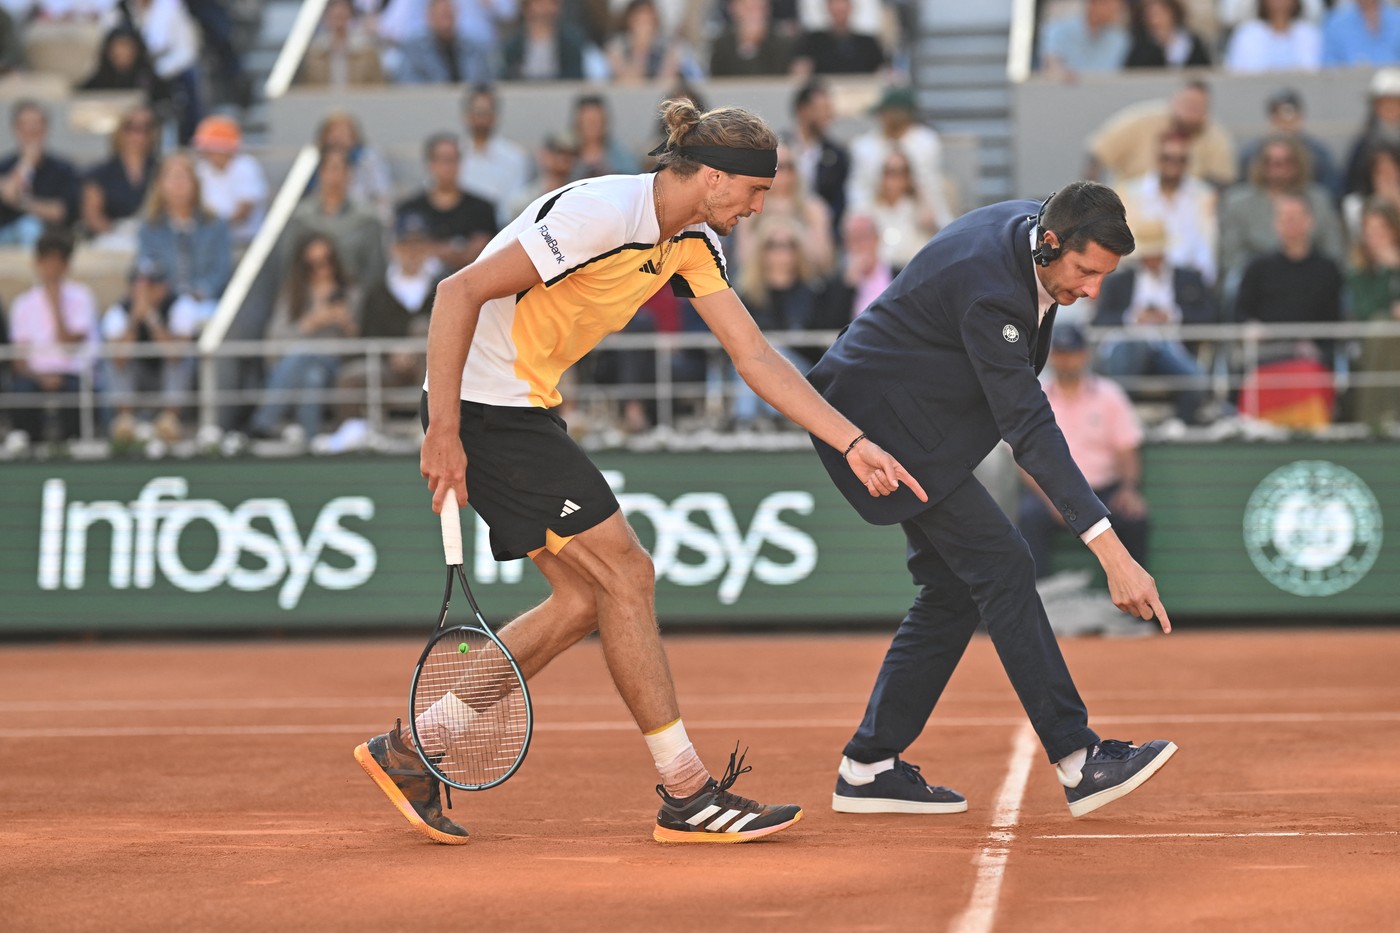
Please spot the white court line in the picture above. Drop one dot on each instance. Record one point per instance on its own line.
(1277, 835)
(626, 725)
(981, 910)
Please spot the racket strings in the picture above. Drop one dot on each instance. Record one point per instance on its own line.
(470, 709)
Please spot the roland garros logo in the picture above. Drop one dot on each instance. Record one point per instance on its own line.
(1313, 528)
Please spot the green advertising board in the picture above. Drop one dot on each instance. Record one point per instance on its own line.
(352, 543)
(1276, 530)
(1249, 530)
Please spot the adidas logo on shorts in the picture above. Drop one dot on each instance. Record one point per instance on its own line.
(649, 267)
(570, 507)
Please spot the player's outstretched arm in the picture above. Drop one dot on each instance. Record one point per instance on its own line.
(1131, 588)
(456, 310)
(779, 384)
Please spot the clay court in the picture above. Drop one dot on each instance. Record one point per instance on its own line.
(210, 786)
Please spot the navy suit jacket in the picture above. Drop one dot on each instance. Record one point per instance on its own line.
(943, 365)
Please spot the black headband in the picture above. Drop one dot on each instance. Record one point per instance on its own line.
(759, 163)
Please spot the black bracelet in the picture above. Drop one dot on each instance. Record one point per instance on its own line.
(852, 445)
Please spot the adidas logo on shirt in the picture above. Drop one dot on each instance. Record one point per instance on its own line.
(570, 507)
(649, 267)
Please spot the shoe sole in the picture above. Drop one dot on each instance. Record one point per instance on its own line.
(888, 805)
(662, 834)
(400, 802)
(1109, 794)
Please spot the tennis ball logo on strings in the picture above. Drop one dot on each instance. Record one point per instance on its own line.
(463, 648)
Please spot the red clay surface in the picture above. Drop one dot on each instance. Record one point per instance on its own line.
(211, 787)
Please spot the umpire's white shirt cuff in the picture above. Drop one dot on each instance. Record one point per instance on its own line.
(1098, 528)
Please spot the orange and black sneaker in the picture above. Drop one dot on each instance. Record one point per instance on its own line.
(713, 814)
(407, 782)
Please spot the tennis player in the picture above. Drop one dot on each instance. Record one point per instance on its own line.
(573, 268)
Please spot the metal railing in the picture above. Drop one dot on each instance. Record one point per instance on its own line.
(1237, 350)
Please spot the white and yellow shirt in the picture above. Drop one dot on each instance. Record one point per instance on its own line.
(595, 246)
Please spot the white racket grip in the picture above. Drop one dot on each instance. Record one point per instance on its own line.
(451, 529)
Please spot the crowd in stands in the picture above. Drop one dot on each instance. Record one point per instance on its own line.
(1267, 230)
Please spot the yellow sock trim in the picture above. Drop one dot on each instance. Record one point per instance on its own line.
(660, 729)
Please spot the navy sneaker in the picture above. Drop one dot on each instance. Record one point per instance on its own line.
(902, 789)
(1115, 769)
(713, 814)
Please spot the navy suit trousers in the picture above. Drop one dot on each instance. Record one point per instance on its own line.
(970, 563)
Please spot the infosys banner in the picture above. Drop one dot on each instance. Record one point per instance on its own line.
(1250, 530)
(219, 545)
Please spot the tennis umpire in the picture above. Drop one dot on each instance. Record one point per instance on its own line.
(942, 366)
(574, 267)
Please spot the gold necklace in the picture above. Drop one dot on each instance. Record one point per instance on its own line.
(666, 244)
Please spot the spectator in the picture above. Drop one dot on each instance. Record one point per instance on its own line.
(1104, 438)
(837, 49)
(554, 168)
(1361, 33)
(1091, 41)
(1163, 40)
(1185, 205)
(441, 55)
(749, 46)
(114, 191)
(319, 302)
(37, 188)
(333, 211)
(150, 315)
(546, 46)
(231, 182)
(599, 153)
(399, 304)
(11, 50)
(1278, 39)
(904, 214)
(898, 127)
(493, 167)
(371, 183)
(216, 29)
(1229, 14)
(1247, 227)
(774, 285)
(122, 65)
(1382, 125)
(181, 236)
(823, 165)
(1294, 284)
(1151, 298)
(1382, 183)
(49, 327)
(640, 51)
(1285, 111)
(1126, 145)
(171, 40)
(458, 224)
(342, 53)
(863, 275)
(788, 205)
(1373, 294)
(477, 21)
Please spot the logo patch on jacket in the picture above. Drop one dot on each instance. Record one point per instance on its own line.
(1011, 333)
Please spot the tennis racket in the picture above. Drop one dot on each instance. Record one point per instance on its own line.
(470, 708)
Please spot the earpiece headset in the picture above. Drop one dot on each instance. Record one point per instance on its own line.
(1043, 253)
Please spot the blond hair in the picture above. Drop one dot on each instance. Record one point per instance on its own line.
(156, 208)
(731, 127)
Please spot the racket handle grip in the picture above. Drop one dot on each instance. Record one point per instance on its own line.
(451, 529)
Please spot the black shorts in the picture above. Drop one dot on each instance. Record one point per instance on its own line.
(527, 478)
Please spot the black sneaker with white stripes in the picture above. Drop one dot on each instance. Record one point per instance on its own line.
(713, 814)
(1115, 769)
(901, 789)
